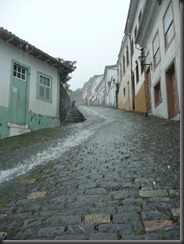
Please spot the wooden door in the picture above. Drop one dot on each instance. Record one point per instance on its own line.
(172, 92)
(18, 93)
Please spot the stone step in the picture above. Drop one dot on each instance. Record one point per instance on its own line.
(74, 116)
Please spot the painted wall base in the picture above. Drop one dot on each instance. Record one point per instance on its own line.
(18, 129)
(140, 100)
(39, 121)
(4, 130)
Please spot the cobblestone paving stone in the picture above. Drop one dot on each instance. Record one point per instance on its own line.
(120, 182)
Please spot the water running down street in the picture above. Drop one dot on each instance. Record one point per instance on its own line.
(115, 176)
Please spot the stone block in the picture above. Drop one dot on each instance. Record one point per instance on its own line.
(3, 235)
(38, 194)
(175, 212)
(152, 193)
(97, 218)
(50, 232)
(27, 181)
(103, 236)
(155, 225)
(174, 192)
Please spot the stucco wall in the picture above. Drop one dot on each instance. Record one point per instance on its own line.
(125, 100)
(122, 101)
(168, 55)
(39, 121)
(140, 101)
(172, 53)
(8, 52)
(110, 98)
(4, 130)
(39, 114)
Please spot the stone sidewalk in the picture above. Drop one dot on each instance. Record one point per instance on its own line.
(121, 183)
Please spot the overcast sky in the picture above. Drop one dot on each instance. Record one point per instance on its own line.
(87, 31)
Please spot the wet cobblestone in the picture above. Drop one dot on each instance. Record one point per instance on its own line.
(115, 176)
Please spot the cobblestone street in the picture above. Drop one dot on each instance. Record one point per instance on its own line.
(115, 176)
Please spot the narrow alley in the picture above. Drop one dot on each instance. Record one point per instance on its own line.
(115, 176)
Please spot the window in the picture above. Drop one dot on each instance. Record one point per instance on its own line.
(19, 72)
(135, 32)
(44, 88)
(137, 73)
(168, 25)
(124, 91)
(132, 47)
(123, 64)
(156, 51)
(127, 55)
(120, 71)
(147, 61)
(157, 94)
(140, 15)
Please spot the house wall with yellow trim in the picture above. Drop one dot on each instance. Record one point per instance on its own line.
(140, 100)
(125, 99)
(125, 88)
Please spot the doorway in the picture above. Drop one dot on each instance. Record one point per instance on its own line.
(18, 93)
(172, 92)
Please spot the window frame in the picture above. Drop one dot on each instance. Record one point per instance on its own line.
(124, 64)
(140, 15)
(132, 47)
(157, 93)
(120, 71)
(18, 72)
(157, 51)
(124, 91)
(137, 72)
(170, 24)
(38, 96)
(135, 32)
(127, 56)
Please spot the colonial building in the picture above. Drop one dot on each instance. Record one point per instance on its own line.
(30, 82)
(159, 37)
(137, 77)
(126, 92)
(100, 92)
(155, 52)
(111, 85)
(90, 93)
(146, 78)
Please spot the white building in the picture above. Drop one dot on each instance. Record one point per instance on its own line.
(94, 94)
(126, 92)
(154, 27)
(160, 37)
(100, 93)
(29, 86)
(111, 81)
(90, 92)
(137, 78)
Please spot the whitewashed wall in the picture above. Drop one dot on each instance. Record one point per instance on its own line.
(110, 93)
(137, 51)
(8, 52)
(167, 56)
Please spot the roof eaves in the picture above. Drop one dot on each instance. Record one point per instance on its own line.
(19, 43)
(130, 17)
(150, 8)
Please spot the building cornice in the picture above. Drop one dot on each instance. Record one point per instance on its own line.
(26, 47)
(149, 16)
(131, 16)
